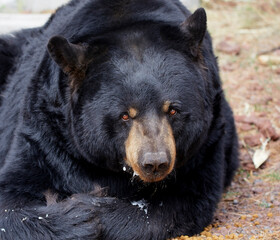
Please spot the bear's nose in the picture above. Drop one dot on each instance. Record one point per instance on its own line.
(155, 162)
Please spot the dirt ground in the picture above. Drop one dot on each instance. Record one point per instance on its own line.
(246, 37)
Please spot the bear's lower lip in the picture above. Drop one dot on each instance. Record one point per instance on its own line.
(152, 177)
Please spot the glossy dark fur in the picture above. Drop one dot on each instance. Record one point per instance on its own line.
(62, 149)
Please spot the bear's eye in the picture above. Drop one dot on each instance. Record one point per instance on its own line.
(125, 117)
(172, 112)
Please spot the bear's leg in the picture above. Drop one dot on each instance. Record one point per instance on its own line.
(70, 219)
(125, 220)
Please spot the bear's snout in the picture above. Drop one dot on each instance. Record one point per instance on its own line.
(150, 149)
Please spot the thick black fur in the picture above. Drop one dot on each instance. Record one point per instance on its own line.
(72, 143)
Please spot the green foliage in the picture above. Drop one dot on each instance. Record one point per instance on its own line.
(275, 176)
(265, 204)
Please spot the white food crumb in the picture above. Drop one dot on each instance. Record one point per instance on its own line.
(3, 230)
(135, 174)
(124, 169)
(40, 218)
(24, 219)
(142, 204)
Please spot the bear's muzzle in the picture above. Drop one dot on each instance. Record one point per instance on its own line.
(150, 148)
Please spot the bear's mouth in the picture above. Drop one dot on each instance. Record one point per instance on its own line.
(148, 177)
(153, 177)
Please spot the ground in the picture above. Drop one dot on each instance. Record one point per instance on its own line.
(246, 38)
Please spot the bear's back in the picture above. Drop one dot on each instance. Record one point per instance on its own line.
(18, 61)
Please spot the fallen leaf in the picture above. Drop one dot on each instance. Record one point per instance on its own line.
(266, 128)
(255, 87)
(229, 67)
(277, 70)
(261, 155)
(253, 140)
(244, 119)
(229, 47)
(263, 124)
(269, 59)
(245, 126)
(260, 100)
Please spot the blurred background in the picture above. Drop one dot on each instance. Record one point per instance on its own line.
(17, 14)
(42, 6)
(29, 5)
(246, 40)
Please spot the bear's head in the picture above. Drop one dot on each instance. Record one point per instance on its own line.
(139, 95)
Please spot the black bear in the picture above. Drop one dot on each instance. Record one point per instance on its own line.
(113, 124)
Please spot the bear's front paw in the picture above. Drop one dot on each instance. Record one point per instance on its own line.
(77, 217)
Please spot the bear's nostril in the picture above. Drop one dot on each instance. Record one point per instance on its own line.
(149, 167)
(163, 166)
(154, 162)
(155, 165)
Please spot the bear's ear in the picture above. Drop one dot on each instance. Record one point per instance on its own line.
(73, 59)
(195, 28)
